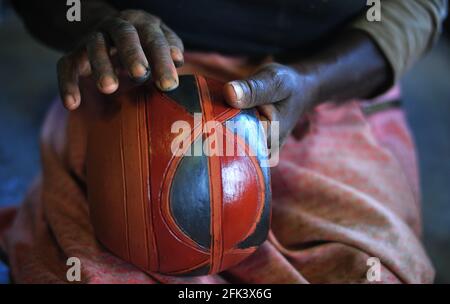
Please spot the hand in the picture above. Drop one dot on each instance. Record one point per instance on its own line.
(141, 41)
(280, 93)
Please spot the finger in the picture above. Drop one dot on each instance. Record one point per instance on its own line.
(176, 45)
(101, 65)
(69, 68)
(269, 85)
(157, 48)
(126, 39)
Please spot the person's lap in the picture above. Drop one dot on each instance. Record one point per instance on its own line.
(344, 190)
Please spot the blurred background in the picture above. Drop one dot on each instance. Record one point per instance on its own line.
(28, 85)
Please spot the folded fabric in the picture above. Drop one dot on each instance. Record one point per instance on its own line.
(345, 190)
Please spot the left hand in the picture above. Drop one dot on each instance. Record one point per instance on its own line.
(280, 93)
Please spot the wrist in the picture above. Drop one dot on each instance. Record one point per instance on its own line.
(351, 67)
(309, 84)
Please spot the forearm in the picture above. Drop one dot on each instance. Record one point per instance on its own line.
(356, 66)
(351, 67)
(47, 21)
(407, 30)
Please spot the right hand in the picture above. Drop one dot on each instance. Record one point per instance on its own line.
(141, 41)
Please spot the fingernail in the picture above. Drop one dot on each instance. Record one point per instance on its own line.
(176, 54)
(238, 92)
(138, 70)
(70, 102)
(108, 84)
(167, 83)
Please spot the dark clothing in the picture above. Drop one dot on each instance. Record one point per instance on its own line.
(251, 27)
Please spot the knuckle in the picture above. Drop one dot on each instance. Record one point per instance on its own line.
(173, 38)
(255, 87)
(290, 78)
(275, 74)
(154, 39)
(157, 42)
(95, 39)
(99, 64)
(123, 28)
(282, 77)
(272, 71)
(178, 43)
(152, 19)
(139, 17)
(131, 53)
(131, 14)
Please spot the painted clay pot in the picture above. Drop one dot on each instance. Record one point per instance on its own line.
(161, 194)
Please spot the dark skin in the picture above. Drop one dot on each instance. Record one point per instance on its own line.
(350, 67)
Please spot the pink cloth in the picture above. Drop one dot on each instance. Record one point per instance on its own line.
(345, 191)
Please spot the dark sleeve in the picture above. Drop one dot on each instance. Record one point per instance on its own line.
(407, 30)
(47, 20)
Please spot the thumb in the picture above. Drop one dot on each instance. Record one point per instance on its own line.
(269, 85)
